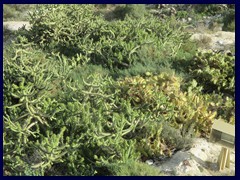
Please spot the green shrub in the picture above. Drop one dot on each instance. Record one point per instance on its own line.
(224, 105)
(27, 78)
(182, 60)
(229, 21)
(79, 73)
(7, 34)
(177, 139)
(75, 128)
(8, 12)
(136, 11)
(63, 114)
(115, 44)
(68, 129)
(210, 9)
(143, 68)
(214, 71)
(55, 32)
(182, 14)
(61, 125)
(132, 168)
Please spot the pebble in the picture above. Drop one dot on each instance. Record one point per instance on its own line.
(220, 42)
(189, 19)
(149, 162)
(184, 20)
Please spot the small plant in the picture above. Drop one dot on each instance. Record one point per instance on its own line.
(132, 10)
(177, 139)
(224, 105)
(132, 168)
(7, 34)
(203, 41)
(210, 9)
(182, 14)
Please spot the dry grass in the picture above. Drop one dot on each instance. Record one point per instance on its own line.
(203, 41)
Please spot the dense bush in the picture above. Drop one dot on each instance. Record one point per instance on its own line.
(7, 34)
(59, 126)
(210, 9)
(132, 168)
(177, 139)
(136, 11)
(162, 96)
(85, 37)
(85, 96)
(47, 129)
(214, 71)
(224, 106)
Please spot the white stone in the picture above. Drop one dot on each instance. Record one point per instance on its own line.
(220, 42)
(184, 20)
(149, 162)
(189, 19)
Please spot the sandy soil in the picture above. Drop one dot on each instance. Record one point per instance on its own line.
(200, 160)
(220, 40)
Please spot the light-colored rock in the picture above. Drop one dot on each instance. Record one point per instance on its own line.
(189, 19)
(219, 40)
(149, 162)
(172, 164)
(184, 20)
(15, 25)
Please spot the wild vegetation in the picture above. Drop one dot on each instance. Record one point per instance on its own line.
(16, 11)
(86, 95)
